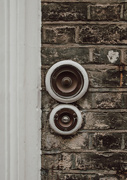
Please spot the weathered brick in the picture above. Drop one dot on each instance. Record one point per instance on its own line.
(93, 100)
(89, 1)
(104, 101)
(47, 101)
(125, 11)
(100, 76)
(103, 34)
(52, 175)
(105, 12)
(61, 161)
(124, 60)
(58, 35)
(103, 76)
(53, 141)
(77, 177)
(123, 75)
(105, 120)
(109, 177)
(69, 11)
(43, 75)
(88, 176)
(106, 56)
(45, 174)
(125, 140)
(104, 106)
(51, 55)
(106, 141)
(49, 175)
(125, 79)
(101, 161)
(48, 161)
(86, 161)
(45, 123)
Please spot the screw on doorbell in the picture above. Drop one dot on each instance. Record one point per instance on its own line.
(65, 119)
(66, 81)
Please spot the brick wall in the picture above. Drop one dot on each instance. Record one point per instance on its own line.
(94, 34)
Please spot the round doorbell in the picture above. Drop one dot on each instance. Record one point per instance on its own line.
(66, 81)
(65, 119)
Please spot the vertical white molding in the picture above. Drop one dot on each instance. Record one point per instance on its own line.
(20, 97)
(2, 91)
(13, 58)
(33, 64)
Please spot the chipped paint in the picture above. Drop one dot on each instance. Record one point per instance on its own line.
(77, 142)
(113, 56)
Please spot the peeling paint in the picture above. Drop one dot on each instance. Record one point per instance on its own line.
(113, 56)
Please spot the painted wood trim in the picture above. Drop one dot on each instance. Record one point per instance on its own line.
(2, 91)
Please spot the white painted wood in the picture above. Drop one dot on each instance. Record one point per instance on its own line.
(2, 92)
(20, 95)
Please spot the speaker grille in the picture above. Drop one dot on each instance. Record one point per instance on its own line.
(67, 81)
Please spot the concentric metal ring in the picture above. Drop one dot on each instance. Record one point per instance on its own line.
(65, 119)
(66, 81)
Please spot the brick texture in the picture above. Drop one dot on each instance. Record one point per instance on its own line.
(64, 11)
(94, 34)
(102, 34)
(105, 12)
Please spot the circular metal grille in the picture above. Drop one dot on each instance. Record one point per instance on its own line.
(65, 119)
(67, 81)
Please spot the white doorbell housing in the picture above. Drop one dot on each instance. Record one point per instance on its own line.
(66, 81)
(65, 119)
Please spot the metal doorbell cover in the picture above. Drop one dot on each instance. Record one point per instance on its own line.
(65, 119)
(66, 81)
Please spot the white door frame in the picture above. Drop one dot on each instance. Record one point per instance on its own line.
(20, 97)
